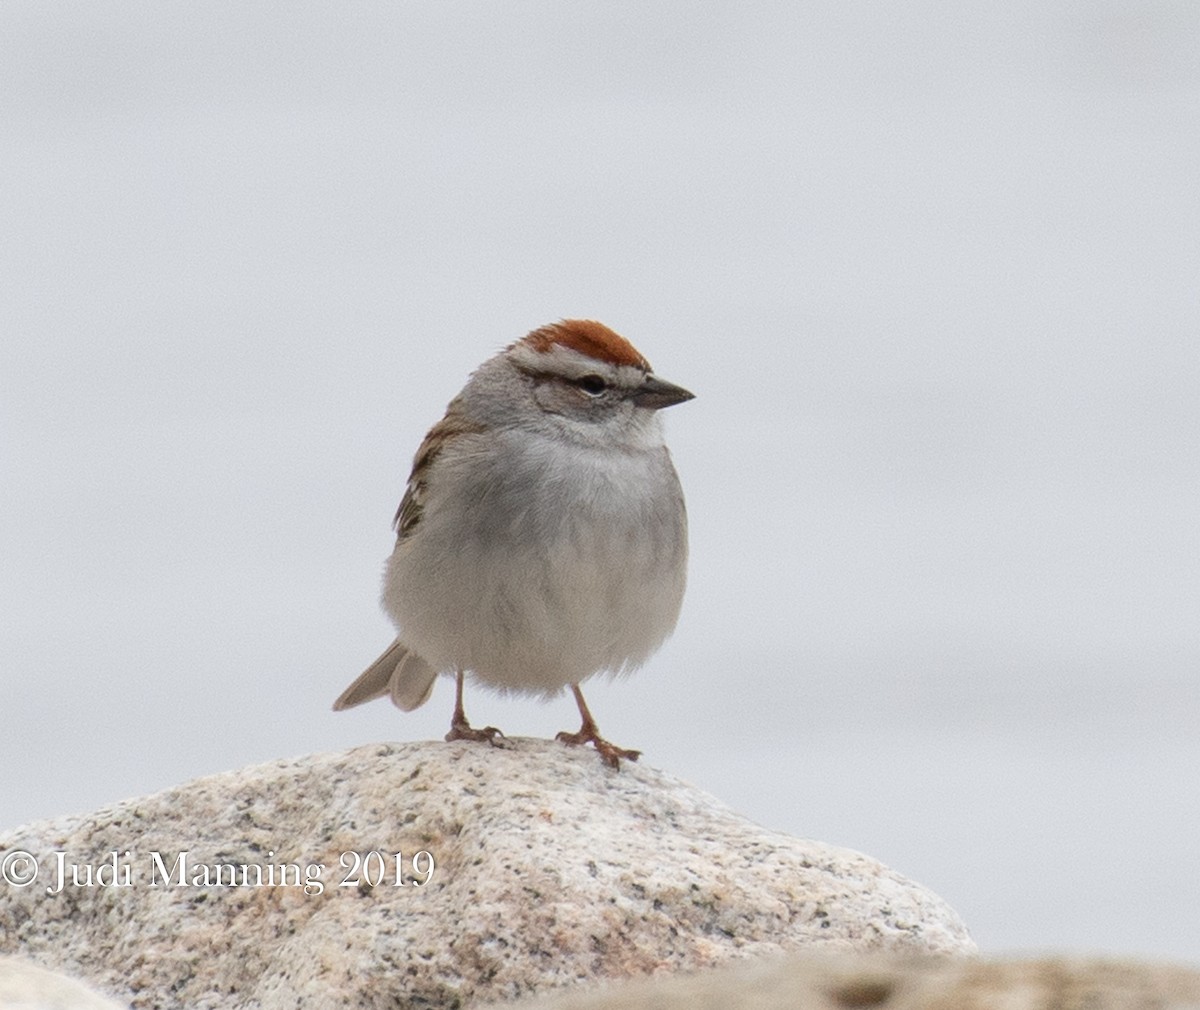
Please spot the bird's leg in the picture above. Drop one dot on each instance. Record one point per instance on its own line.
(460, 729)
(588, 733)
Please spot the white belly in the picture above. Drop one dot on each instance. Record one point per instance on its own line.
(532, 591)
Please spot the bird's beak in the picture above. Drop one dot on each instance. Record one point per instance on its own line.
(657, 393)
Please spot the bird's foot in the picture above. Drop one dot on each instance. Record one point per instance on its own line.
(460, 729)
(609, 753)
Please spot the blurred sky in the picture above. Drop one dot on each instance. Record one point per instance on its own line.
(933, 270)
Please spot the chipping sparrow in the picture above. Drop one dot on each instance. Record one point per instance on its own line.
(542, 537)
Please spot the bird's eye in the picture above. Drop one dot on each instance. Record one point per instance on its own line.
(593, 385)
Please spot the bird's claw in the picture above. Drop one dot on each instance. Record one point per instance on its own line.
(609, 753)
(465, 731)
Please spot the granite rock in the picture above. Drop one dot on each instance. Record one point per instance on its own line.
(896, 982)
(522, 869)
(25, 986)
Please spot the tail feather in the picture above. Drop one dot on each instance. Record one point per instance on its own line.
(398, 672)
(412, 683)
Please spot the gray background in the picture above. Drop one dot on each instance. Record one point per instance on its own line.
(930, 268)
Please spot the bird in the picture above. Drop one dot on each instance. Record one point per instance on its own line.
(542, 536)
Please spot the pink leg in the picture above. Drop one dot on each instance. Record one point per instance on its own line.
(588, 733)
(460, 729)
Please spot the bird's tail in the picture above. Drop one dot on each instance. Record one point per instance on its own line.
(398, 672)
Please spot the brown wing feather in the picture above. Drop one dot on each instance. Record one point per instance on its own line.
(412, 505)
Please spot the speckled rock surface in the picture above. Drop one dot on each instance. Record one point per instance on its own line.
(522, 870)
(25, 986)
(893, 982)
